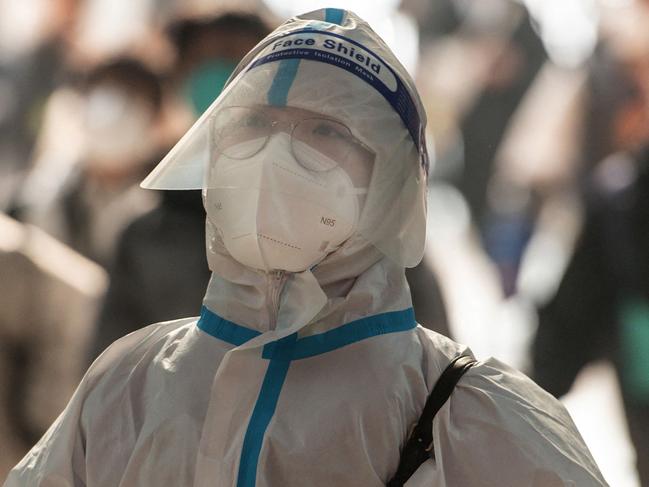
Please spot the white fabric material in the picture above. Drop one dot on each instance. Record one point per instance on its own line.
(173, 405)
(169, 405)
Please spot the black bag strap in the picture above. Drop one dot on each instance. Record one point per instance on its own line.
(419, 446)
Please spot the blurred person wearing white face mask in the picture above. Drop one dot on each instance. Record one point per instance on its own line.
(306, 366)
(156, 275)
(115, 122)
(119, 113)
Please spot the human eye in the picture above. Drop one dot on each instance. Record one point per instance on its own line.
(328, 130)
(253, 121)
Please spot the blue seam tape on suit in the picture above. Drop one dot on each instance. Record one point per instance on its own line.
(368, 327)
(262, 415)
(225, 330)
(348, 334)
(280, 354)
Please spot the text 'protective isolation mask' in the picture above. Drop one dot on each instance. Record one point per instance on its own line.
(275, 211)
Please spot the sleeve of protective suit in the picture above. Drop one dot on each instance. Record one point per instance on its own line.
(500, 429)
(59, 457)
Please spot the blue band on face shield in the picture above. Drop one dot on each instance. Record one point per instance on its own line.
(278, 92)
(345, 53)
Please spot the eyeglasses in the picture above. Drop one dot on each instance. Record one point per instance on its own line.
(241, 132)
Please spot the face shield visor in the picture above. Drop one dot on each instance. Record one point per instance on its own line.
(308, 147)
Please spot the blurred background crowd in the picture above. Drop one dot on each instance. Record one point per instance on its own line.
(538, 234)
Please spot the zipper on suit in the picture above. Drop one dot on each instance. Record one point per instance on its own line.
(276, 284)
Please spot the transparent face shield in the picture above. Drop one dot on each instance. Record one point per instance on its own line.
(331, 161)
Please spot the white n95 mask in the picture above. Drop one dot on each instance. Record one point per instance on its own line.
(272, 213)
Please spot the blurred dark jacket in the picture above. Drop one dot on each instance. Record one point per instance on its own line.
(427, 299)
(160, 271)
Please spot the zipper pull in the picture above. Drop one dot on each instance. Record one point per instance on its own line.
(276, 284)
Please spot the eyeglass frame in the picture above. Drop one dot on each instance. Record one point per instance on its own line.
(354, 141)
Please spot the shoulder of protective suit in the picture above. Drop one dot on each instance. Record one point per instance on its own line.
(438, 351)
(131, 348)
(440, 344)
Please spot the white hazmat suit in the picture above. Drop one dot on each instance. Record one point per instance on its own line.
(312, 375)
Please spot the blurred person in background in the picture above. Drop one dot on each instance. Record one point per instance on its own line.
(158, 274)
(207, 51)
(34, 39)
(96, 196)
(483, 56)
(478, 63)
(50, 293)
(517, 60)
(314, 368)
(517, 54)
(601, 308)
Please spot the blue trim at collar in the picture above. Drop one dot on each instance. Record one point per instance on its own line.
(341, 336)
(225, 330)
(355, 331)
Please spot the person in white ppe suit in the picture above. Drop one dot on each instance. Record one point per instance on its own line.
(306, 366)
